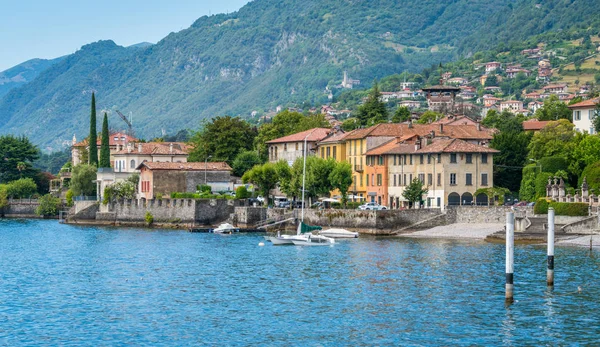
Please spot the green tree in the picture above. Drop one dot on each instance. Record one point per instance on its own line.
(223, 138)
(317, 176)
(491, 81)
(284, 177)
(555, 139)
(105, 146)
(554, 109)
(341, 179)
(93, 148)
(414, 191)
(16, 157)
(21, 188)
(429, 117)
(373, 111)
(591, 174)
(505, 121)
(402, 114)
(3, 198)
(48, 206)
(350, 124)
(242, 193)
(513, 155)
(245, 161)
(596, 119)
(119, 190)
(264, 177)
(83, 180)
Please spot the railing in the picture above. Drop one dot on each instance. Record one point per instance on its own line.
(85, 198)
(358, 168)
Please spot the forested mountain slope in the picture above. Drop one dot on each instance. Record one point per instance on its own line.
(268, 53)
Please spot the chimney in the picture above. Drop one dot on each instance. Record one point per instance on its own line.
(129, 147)
(139, 147)
(478, 126)
(432, 134)
(441, 128)
(410, 125)
(171, 148)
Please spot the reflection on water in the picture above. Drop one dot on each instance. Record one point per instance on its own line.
(88, 286)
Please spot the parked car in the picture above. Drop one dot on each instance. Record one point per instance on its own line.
(284, 204)
(522, 203)
(260, 199)
(317, 204)
(297, 204)
(373, 206)
(256, 201)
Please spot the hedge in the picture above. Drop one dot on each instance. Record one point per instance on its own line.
(553, 164)
(570, 208)
(561, 208)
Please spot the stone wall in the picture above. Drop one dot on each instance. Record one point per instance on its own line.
(484, 214)
(248, 216)
(198, 212)
(583, 226)
(86, 211)
(20, 210)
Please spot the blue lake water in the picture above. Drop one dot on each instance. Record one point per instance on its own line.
(66, 285)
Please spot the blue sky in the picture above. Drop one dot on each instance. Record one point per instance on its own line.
(52, 28)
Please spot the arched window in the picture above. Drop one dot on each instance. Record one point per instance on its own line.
(132, 163)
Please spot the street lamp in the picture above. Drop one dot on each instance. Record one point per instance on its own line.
(206, 168)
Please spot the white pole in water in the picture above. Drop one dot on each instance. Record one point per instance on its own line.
(510, 249)
(550, 271)
(304, 173)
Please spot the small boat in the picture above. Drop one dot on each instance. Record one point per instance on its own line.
(224, 228)
(313, 240)
(339, 233)
(280, 239)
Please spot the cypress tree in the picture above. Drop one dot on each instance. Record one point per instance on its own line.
(104, 147)
(93, 155)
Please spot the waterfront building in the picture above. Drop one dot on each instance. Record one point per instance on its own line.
(583, 115)
(167, 177)
(127, 158)
(452, 170)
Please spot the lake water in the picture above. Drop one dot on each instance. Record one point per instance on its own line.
(66, 285)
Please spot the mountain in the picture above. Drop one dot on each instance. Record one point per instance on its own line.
(23, 73)
(141, 45)
(269, 53)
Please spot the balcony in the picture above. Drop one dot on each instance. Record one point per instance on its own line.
(358, 168)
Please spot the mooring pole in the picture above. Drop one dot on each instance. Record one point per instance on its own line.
(550, 272)
(510, 250)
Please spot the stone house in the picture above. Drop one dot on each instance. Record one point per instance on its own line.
(168, 177)
(511, 105)
(130, 156)
(491, 67)
(555, 88)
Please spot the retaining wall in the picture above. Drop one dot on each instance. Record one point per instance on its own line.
(20, 210)
(586, 225)
(484, 214)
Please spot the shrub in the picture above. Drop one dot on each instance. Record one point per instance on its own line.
(3, 196)
(185, 196)
(119, 190)
(158, 196)
(149, 218)
(242, 193)
(541, 206)
(69, 197)
(204, 188)
(48, 206)
(21, 188)
(553, 164)
(592, 175)
(570, 208)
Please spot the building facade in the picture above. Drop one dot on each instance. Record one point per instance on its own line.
(583, 115)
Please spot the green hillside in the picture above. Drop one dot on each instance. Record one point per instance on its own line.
(269, 53)
(23, 73)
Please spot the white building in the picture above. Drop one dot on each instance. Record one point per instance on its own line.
(583, 115)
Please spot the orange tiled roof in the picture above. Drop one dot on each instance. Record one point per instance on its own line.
(404, 129)
(534, 124)
(316, 135)
(455, 146)
(156, 148)
(335, 138)
(586, 103)
(210, 166)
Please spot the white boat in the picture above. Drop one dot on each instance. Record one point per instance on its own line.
(313, 240)
(339, 233)
(224, 228)
(280, 239)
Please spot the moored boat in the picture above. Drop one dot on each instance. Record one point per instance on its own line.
(339, 233)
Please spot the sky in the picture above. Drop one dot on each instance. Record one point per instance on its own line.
(53, 28)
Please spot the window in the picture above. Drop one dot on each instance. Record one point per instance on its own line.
(410, 178)
(145, 186)
(296, 145)
(322, 152)
(577, 115)
(404, 179)
(373, 180)
(453, 157)
(328, 152)
(429, 179)
(422, 178)
(361, 180)
(366, 179)
(421, 159)
(439, 179)
(404, 159)
(428, 158)
(469, 158)
(469, 179)
(411, 159)
(439, 157)
(394, 180)
(334, 153)
(354, 147)
(285, 147)
(484, 181)
(132, 164)
(452, 179)
(379, 180)
(394, 160)
(484, 158)
(380, 160)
